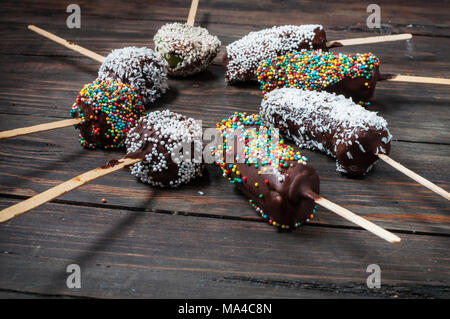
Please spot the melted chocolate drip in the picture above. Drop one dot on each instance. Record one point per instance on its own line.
(335, 44)
(111, 163)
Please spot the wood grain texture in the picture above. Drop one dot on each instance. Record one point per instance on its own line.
(31, 164)
(126, 253)
(403, 16)
(203, 240)
(57, 81)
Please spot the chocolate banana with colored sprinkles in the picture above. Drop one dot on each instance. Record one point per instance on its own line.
(279, 182)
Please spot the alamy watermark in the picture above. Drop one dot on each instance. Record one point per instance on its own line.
(374, 279)
(374, 19)
(73, 21)
(74, 279)
(230, 145)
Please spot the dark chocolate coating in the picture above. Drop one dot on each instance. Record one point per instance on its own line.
(166, 175)
(174, 173)
(361, 161)
(89, 124)
(282, 186)
(113, 76)
(361, 89)
(329, 123)
(287, 202)
(318, 42)
(356, 88)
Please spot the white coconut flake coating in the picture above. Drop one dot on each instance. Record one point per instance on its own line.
(160, 138)
(322, 113)
(141, 68)
(187, 49)
(246, 54)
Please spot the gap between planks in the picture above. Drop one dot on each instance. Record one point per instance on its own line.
(214, 216)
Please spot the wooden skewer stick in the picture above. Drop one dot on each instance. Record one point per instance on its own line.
(368, 40)
(358, 220)
(419, 79)
(415, 176)
(39, 128)
(192, 13)
(54, 192)
(191, 19)
(67, 44)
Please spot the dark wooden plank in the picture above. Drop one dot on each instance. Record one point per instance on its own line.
(37, 162)
(125, 28)
(134, 254)
(397, 56)
(52, 84)
(48, 91)
(203, 240)
(410, 16)
(14, 294)
(40, 161)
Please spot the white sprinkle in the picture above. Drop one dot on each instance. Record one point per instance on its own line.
(320, 112)
(189, 49)
(158, 165)
(141, 68)
(248, 53)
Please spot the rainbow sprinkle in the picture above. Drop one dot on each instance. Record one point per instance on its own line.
(261, 150)
(314, 70)
(109, 110)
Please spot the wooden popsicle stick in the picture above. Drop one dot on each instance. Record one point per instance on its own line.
(415, 176)
(419, 79)
(358, 220)
(54, 192)
(38, 128)
(67, 44)
(192, 13)
(368, 40)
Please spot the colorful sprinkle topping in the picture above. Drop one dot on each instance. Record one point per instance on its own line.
(142, 68)
(108, 110)
(314, 70)
(261, 147)
(245, 139)
(246, 54)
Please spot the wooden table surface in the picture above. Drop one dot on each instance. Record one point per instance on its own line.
(203, 240)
